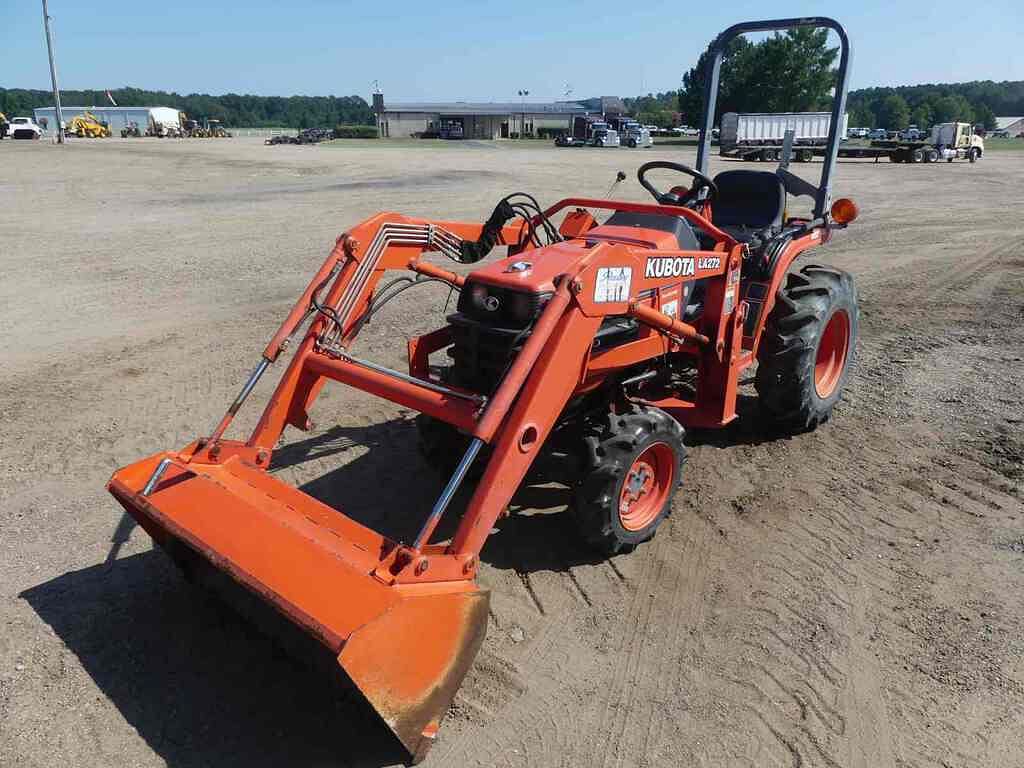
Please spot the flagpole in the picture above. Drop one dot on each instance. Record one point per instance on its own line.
(53, 75)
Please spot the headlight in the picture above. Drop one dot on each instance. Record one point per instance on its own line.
(478, 295)
(502, 307)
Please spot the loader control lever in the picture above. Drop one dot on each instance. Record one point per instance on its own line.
(673, 198)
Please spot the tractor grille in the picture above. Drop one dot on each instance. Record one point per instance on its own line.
(481, 353)
(489, 330)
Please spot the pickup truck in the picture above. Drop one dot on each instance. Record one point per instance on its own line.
(24, 128)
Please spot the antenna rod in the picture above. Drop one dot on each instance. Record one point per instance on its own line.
(53, 75)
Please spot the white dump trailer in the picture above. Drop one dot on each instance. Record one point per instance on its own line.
(759, 135)
(164, 122)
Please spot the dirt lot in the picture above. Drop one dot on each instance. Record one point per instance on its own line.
(851, 597)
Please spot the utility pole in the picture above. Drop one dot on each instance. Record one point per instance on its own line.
(522, 121)
(53, 75)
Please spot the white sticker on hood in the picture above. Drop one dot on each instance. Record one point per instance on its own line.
(613, 284)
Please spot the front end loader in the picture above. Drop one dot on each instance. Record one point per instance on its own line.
(609, 337)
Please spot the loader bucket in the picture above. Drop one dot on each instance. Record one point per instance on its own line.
(405, 647)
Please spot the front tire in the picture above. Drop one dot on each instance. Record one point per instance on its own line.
(442, 446)
(632, 468)
(807, 351)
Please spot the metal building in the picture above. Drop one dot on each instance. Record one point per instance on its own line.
(1012, 125)
(474, 120)
(116, 117)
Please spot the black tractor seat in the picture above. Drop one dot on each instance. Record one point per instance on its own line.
(750, 204)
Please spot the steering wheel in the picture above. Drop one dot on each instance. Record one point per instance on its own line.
(672, 197)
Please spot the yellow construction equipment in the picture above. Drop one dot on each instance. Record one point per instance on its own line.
(216, 130)
(88, 126)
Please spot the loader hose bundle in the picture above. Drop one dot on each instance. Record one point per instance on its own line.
(528, 210)
(471, 252)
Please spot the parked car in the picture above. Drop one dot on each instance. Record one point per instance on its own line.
(314, 135)
(858, 133)
(24, 128)
(567, 140)
(878, 133)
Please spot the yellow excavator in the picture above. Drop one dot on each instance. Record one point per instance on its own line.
(88, 126)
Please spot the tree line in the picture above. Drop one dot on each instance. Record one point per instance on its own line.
(795, 72)
(786, 72)
(233, 109)
(923, 105)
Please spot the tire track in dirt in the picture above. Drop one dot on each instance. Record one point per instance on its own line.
(940, 278)
(635, 635)
(643, 721)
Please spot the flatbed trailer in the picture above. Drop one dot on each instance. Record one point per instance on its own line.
(893, 151)
(911, 152)
(770, 153)
(757, 137)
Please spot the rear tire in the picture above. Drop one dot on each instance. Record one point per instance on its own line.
(973, 154)
(917, 156)
(633, 466)
(807, 351)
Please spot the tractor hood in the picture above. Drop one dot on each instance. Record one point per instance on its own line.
(533, 271)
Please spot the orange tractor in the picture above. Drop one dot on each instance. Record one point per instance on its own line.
(609, 337)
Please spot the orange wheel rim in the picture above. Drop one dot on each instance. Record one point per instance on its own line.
(832, 351)
(646, 487)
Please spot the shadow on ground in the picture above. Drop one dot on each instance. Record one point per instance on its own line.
(387, 487)
(749, 428)
(391, 489)
(198, 683)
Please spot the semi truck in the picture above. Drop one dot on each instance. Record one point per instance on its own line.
(589, 131)
(759, 135)
(948, 141)
(631, 132)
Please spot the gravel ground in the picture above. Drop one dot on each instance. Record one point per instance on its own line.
(849, 597)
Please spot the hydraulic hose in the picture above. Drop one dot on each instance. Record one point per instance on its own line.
(471, 252)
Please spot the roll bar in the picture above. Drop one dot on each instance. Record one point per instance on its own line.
(717, 49)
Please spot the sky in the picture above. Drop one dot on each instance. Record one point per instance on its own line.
(472, 50)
